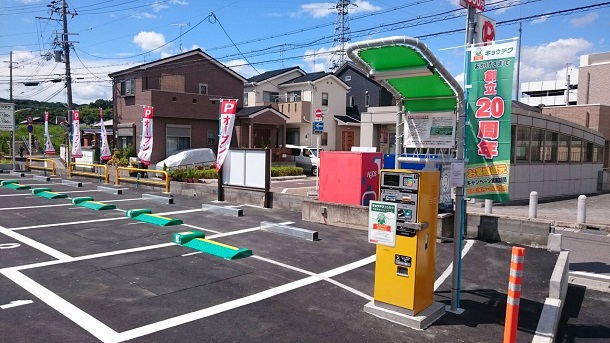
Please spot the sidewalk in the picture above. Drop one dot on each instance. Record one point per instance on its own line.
(562, 212)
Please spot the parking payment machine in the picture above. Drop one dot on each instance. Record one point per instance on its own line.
(404, 273)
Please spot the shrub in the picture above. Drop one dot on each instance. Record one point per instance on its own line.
(286, 171)
(207, 174)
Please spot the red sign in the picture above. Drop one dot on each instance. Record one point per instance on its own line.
(478, 4)
(318, 113)
(228, 108)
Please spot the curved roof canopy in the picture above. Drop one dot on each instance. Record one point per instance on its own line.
(409, 70)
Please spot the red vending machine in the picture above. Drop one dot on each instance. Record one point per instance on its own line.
(348, 177)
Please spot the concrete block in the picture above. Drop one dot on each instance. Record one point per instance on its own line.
(289, 230)
(223, 210)
(558, 286)
(419, 322)
(549, 319)
(71, 183)
(554, 242)
(111, 190)
(158, 198)
(16, 174)
(41, 178)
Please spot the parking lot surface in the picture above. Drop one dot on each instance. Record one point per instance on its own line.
(73, 274)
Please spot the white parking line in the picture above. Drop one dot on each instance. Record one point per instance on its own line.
(233, 304)
(78, 316)
(34, 244)
(447, 271)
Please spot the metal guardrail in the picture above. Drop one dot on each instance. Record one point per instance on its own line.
(149, 181)
(91, 173)
(29, 166)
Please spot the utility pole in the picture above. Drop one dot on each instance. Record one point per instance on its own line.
(10, 68)
(342, 34)
(518, 95)
(66, 45)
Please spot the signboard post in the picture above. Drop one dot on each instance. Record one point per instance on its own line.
(7, 123)
(30, 130)
(382, 223)
(318, 129)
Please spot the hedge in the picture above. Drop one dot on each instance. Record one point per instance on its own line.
(286, 171)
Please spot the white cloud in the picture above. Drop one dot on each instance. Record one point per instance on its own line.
(323, 9)
(317, 60)
(540, 19)
(242, 67)
(148, 40)
(546, 61)
(28, 2)
(158, 6)
(144, 15)
(584, 20)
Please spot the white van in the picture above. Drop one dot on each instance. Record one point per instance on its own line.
(306, 157)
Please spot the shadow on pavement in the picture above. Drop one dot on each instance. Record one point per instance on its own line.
(584, 307)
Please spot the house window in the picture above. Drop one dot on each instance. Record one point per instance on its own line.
(351, 101)
(348, 78)
(270, 96)
(367, 99)
(293, 96)
(203, 88)
(128, 87)
(324, 99)
(245, 99)
(178, 137)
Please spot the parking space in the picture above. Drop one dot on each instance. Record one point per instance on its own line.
(74, 274)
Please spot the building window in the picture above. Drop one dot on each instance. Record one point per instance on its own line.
(352, 102)
(587, 152)
(598, 154)
(324, 138)
(587, 117)
(537, 146)
(367, 99)
(576, 150)
(293, 96)
(324, 99)
(563, 153)
(203, 88)
(550, 146)
(522, 144)
(128, 87)
(348, 78)
(178, 137)
(513, 139)
(245, 99)
(270, 96)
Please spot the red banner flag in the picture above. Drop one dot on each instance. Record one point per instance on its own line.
(228, 108)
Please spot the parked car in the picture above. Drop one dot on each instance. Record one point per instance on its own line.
(306, 158)
(191, 157)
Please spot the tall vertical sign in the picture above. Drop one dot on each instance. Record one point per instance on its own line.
(485, 31)
(76, 151)
(48, 146)
(146, 140)
(228, 108)
(489, 112)
(105, 154)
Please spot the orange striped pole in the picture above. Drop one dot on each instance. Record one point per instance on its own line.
(514, 295)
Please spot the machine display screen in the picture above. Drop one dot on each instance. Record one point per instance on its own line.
(392, 180)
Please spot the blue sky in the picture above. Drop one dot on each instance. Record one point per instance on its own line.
(259, 35)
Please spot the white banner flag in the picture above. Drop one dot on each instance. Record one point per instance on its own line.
(48, 146)
(76, 152)
(228, 108)
(146, 141)
(105, 154)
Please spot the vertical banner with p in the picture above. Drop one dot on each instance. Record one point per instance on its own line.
(146, 140)
(76, 151)
(228, 108)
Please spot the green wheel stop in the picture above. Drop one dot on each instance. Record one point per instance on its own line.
(6, 182)
(184, 237)
(35, 191)
(136, 212)
(218, 249)
(78, 200)
(16, 186)
(52, 195)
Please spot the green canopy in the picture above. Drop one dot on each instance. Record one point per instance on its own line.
(410, 71)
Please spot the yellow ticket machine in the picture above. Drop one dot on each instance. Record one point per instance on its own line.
(404, 274)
